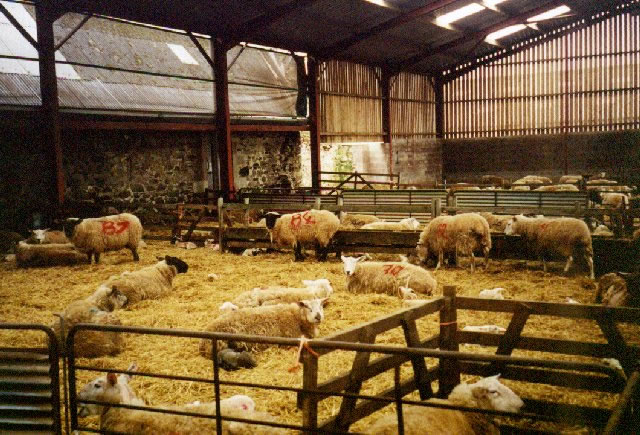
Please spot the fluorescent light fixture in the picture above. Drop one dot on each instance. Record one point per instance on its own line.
(505, 32)
(555, 12)
(458, 14)
(182, 54)
(383, 3)
(492, 3)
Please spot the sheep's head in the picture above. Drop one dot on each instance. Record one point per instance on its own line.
(512, 225)
(312, 310)
(271, 218)
(228, 306)
(349, 264)
(69, 226)
(410, 223)
(489, 393)
(321, 283)
(38, 235)
(180, 265)
(109, 298)
(240, 401)
(107, 388)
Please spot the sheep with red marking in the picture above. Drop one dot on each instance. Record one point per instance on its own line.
(566, 237)
(94, 236)
(386, 277)
(297, 230)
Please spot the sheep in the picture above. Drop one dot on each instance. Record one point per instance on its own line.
(87, 409)
(601, 181)
(285, 320)
(113, 389)
(405, 224)
(524, 188)
(619, 289)
(151, 282)
(497, 222)
(493, 179)
(570, 179)
(487, 393)
(494, 293)
(256, 297)
(228, 306)
(533, 179)
(566, 237)
(465, 233)
(47, 237)
(386, 277)
(558, 188)
(48, 255)
(94, 236)
(231, 360)
(107, 299)
(602, 230)
(357, 220)
(89, 344)
(298, 229)
(485, 328)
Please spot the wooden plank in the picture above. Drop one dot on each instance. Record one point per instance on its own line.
(309, 402)
(412, 337)
(192, 226)
(509, 341)
(449, 368)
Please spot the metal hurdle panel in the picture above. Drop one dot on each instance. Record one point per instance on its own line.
(395, 197)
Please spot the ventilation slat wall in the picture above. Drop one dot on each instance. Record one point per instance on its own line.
(412, 106)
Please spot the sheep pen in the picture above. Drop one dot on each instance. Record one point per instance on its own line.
(34, 295)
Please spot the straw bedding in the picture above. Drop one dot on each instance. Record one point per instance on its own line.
(33, 295)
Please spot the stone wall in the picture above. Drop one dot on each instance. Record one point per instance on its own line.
(418, 161)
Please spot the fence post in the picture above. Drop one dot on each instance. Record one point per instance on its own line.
(309, 382)
(317, 204)
(449, 375)
(340, 206)
(221, 224)
(246, 212)
(436, 207)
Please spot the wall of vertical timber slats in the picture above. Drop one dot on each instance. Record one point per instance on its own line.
(351, 104)
(586, 81)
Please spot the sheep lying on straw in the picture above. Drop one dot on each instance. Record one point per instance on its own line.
(386, 277)
(151, 282)
(566, 237)
(411, 224)
(316, 289)
(109, 233)
(312, 227)
(570, 179)
(465, 233)
(619, 289)
(47, 237)
(487, 393)
(113, 389)
(533, 179)
(558, 188)
(349, 220)
(48, 255)
(286, 320)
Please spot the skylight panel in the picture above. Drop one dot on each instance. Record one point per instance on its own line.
(182, 54)
(492, 3)
(493, 37)
(552, 13)
(458, 14)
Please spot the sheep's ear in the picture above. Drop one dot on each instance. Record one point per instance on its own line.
(479, 392)
(303, 304)
(362, 258)
(133, 367)
(112, 379)
(325, 302)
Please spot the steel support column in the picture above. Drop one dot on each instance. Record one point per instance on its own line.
(385, 85)
(314, 120)
(223, 118)
(50, 119)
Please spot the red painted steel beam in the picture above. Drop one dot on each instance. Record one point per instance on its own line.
(407, 17)
(50, 116)
(223, 117)
(314, 119)
(481, 34)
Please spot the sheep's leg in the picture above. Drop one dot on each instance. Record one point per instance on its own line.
(473, 262)
(544, 264)
(134, 251)
(569, 263)
(297, 252)
(590, 263)
(486, 259)
(90, 256)
(440, 260)
(96, 255)
(321, 252)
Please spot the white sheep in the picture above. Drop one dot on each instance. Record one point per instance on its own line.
(487, 393)
(352, 220)
(151, 282)
(228, 306)
(558, 188)
(497, 222)
(386, 277)
(411, 224)
(494, 293)
(533, 179)
(602, 230)
(53, 254)
(567, 237)
(94, 236)
(296, 230)
(601, 181)
(285, 320)
(465, 234)
(127, 394)
(619, 289)
(47, 236)
(115, 389)
(495, 329)
(314, 289)
(570, 179)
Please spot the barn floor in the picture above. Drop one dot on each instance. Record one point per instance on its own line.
(32, 295)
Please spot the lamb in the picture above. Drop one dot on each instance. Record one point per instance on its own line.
(497, 222)
(494, 329)
(601, 181)
(87, 409)
(487, 393)
(570, 179)
(613, 200)
(386, 277)
(465, 233)
(151, 282)
(566, 237)
(286, 320)
(357, 220)
(46, 237)
(558, 188)
(405, 224)
(494, 293)
(48, 255)
(317, 289)
(602, 230)
(113, 389)
(533, 179)
(298, 229)
(94, 236)
(619, 289)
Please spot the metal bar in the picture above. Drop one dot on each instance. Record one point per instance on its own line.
(201, 49)
(237, 56)
(216, 385)
(72, 32)
(18, 26)
(313, 84)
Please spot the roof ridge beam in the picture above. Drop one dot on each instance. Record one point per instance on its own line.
(343, 45)
(481, 34)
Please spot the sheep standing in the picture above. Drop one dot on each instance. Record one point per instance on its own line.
(497, 222)
(47, 237)
(465, 233)
(94, 236)
(315, 227)
(48, 255)
(566, 237)
(410, 224)
(386, 277)
(286, 320)
(151, 282)
(487, 393)
(349, 220)
(256, 297)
